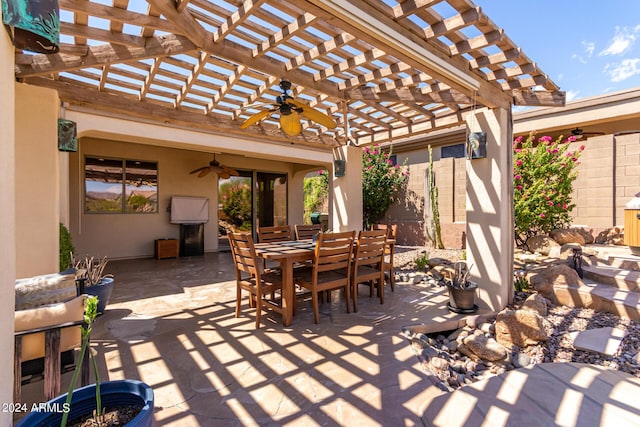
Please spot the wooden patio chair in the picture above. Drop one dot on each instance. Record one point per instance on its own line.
(276, 233)
(307, 231)
(331, 267)
(392, 232)
(368, 263)
(251, 277)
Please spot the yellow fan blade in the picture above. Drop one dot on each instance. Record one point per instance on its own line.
(256, 118)
(313, 114)
(230, 171)
(290, 123)
(204, 172)
(199, 169)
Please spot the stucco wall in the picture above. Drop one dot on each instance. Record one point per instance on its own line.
(37, 190)
(7, 219)
(132, 235)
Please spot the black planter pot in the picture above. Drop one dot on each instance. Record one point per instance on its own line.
(103, 291)
(462, 300)
(113, 393)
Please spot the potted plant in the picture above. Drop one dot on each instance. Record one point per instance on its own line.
(97, 283)
(120, 402)
(462, 291)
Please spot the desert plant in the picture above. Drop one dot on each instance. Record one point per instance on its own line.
(460, 277)
(90, 314)
(92, 270)
(422, 262)
(520, 282)
(66, 248)
(433, 230)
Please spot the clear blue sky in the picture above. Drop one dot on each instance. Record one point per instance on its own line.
(587, 47)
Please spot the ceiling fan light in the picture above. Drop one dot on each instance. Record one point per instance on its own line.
(290, 123)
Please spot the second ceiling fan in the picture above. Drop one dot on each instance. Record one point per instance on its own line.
(223, 172)
(290, 111)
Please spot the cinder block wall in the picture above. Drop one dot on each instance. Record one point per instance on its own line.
(608, 177)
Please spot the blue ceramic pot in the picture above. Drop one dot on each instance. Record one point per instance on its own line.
(113, 393)
(103, 291)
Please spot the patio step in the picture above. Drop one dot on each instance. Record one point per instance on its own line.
(620, 278)
(607, 298)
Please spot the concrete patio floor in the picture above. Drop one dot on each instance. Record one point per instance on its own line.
(171, 324)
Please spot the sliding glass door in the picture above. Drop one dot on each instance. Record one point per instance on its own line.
(243, 206)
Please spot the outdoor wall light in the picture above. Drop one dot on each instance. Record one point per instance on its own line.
(33, 25)
(477, 145)
(67, 135)
(339, 168)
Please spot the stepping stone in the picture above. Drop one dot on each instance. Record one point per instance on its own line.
(602, 340)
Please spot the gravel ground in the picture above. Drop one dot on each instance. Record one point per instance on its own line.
(561, 321)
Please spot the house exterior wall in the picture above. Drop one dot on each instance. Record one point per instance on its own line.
(8, 221)
(132, 235)
(37, 194)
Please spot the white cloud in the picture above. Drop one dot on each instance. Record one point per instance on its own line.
(571, 95)
(589, 48)
(623, 70)
(579, 58)
(621, 42)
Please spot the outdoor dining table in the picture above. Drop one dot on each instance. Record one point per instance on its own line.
(287, 253)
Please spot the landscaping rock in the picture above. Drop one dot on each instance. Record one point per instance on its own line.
(485, 348)
(537, 303)
(610, 236)
(567, 235)
(520, 328)
(586, 234)
(541, 244)
(560, 274)
(434, 262)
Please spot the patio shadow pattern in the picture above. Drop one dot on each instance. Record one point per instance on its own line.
(172, 324)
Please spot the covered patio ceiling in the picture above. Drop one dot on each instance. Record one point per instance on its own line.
(383, 69)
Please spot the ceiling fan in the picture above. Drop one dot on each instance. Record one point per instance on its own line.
(579, 133)
(290, 111)
(214, 166)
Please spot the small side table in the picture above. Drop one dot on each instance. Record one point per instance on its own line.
(166, 248)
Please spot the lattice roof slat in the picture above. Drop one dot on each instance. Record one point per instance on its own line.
(394, 68)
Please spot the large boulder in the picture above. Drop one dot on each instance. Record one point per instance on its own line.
(541, 244)
(586, 234)
(567, 235)
(611, 236)
(485, 348)
(559, 274)
(536, 302)
(520, 328)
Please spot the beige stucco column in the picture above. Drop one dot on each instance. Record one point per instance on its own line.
(37, 183)
(8, 221)
(347, 191)
(490, 209)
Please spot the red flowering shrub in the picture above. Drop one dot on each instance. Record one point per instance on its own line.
(543, 176)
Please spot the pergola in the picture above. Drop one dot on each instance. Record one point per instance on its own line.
(384, 70)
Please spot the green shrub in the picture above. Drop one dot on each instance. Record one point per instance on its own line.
(422, 262)
(316, 195)
(382, 184)
(66, 248)
(543, 176)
